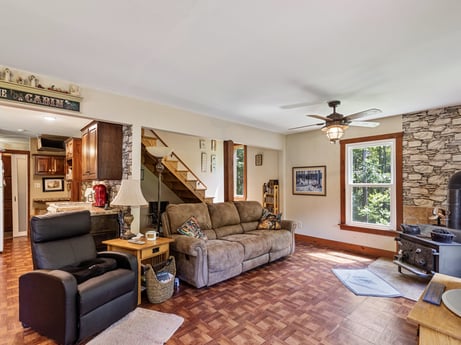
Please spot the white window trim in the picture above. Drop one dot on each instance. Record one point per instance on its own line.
(392, 185)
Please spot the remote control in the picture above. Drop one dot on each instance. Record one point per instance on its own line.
(136, 241)
(434, 293)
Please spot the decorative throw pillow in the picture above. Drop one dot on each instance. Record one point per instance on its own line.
(191, 228)
(270, 221)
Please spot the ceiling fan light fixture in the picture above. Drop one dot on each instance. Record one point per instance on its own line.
(334, 132)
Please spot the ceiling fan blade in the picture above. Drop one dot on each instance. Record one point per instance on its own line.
(364, 124)
(363, 113)
(315, 124)
(298, 105)
(320, 117)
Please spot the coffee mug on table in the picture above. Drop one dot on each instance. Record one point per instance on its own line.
(151, 235)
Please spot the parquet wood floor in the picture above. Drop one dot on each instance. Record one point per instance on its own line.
(293, 301)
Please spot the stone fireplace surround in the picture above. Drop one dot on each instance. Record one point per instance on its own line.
(431, 155)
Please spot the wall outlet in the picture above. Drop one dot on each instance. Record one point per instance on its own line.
(300, 225)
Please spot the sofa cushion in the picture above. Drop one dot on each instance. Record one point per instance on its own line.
(179, 213)
(270, 221)
(253, 245)
(280, 239)
(223, 214)
(223, 255)
(191, 228)
(249, 211)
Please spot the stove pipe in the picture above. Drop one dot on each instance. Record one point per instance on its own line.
(454, 201)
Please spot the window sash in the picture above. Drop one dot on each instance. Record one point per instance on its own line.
(350, 185)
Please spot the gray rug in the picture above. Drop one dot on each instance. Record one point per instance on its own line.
(382, 279)
(363, 282)
(140, 327)
(408, 284)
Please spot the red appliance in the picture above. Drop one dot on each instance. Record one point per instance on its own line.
(100, 195)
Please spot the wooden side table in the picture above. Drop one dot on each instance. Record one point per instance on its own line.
(158, 249)
(437, 324)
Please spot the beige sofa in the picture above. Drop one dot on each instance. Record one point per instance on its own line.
(234, 243)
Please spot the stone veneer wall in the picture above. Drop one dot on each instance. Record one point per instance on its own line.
(431, 155)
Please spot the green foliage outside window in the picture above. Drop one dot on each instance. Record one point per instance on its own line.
(239, 170)
(371, 176)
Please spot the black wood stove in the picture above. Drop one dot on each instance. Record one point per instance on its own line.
(424, 253)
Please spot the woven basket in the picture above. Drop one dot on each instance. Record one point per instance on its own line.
(158, 292)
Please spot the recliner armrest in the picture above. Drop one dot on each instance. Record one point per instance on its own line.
(188, 245)
(124, 260)
(48, 304)
(290, 225)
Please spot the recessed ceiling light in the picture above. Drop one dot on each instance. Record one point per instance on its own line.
(49, 118)
(21, 130)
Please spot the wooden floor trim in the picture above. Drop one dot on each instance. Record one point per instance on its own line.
(337, 245)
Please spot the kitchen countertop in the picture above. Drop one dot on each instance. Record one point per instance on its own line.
(54, 207)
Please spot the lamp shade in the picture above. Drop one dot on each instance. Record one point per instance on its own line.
(159, 151)
(335, 132)
(130, 194)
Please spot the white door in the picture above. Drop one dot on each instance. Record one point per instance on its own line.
(19, 168)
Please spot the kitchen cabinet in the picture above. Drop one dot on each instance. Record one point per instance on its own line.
(102, 151)
(49, 165)
(74, 167)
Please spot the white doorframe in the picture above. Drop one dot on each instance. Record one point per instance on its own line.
(19, 168)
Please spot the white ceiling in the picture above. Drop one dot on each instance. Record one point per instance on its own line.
(243, 60)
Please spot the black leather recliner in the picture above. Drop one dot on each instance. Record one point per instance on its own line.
(74, 292)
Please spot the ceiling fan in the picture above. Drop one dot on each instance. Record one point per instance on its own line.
(336, 123)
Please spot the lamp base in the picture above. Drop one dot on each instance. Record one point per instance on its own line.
(128, 219)
(128, 235)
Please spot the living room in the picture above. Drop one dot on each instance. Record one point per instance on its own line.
(318, 218)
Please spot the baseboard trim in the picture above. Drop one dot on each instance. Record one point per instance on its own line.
(355, 248)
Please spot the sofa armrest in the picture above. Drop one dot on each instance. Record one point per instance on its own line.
(48, 304)
(188, 245)
(289, 225)
(124, 260)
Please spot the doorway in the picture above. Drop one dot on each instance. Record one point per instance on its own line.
(16, 194)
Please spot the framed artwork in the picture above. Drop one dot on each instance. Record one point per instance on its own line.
(213, 163)
(203, 162)
(213, 145)
(202, 144)
(310, 180)
(259, 159)
(51, 184)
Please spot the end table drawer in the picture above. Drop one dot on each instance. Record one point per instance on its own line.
(151, 252)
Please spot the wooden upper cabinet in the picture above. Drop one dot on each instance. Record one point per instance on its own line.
(49, 165)
(102, 151)
(74, 167)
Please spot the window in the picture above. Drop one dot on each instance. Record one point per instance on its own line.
(371, 184)
(240, 174)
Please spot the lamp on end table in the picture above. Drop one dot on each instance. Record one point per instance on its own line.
(129, 195)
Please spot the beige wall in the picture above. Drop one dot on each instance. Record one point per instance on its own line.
(320, 215)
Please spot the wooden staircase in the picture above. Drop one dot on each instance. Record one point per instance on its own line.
(177, 175)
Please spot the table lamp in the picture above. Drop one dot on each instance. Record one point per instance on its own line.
(159, 152)
(130, 194)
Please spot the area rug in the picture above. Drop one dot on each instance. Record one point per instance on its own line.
(363, 282)
(408, 284)
(140, 327)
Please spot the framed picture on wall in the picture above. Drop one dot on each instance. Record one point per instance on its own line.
(310, 180)
(51, 184)
(202, 144)
(213, 163)
(203, 162)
